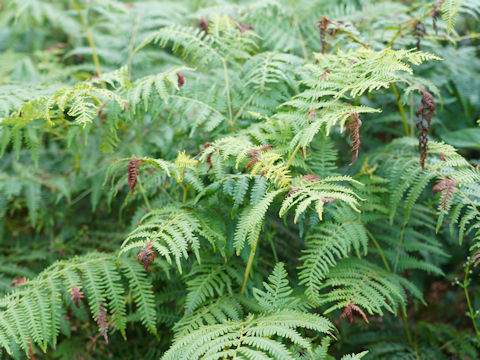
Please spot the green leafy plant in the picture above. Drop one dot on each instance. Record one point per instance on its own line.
(239, 179)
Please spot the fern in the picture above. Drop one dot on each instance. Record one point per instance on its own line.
(36, 306)
(449, 12)
(327, 243)
(365, 285)
(249, 338)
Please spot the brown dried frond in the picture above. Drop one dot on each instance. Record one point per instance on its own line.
(18, 281)
(322, 26)
(100, 112)
(77, 295)
(180, 80)
(293, 190)
(146, 256)
(424, 120)
(102, 322)
(255, 155)
(447, 188)
(209, 157)
(353, 127)
(348, 312)
(266, 147)
(309, 178)
(203, 24)
(132, 174)
(419, 32)
(325, 74)
(31, 354)
(244, 27)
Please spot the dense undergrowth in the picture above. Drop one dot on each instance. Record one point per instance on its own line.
(270, 179)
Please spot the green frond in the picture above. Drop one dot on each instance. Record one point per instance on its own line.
(368, 286)
(210, 279)
(161, 84)
(258, 336)
(277, 292)
(216, 311)
(171, 230)
(31, 314)
(326, 244)
(251, 221)
(306, 192)
(449, 10)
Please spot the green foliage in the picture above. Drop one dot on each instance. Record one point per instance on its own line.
(245, 179)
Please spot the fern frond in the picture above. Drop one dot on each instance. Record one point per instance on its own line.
(254, 337)
(368, 286)
(277, 292)
(326, 244)
(31, 314)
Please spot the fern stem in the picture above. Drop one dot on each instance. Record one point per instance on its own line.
(131, 46)
(185, 192)
(297, 28)
(249, 267)
(412, 112)
(380, 251)
(240, 339)
(290, 160)
(409, 334)
(400, 244)
(401, 109)
(227, 88)
(84, 21)
(465, 284)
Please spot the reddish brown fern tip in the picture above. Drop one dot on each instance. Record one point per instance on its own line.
(353, 127)
(77, 296)
(146, 256)
(102, 322)
(133, 174)
(348, 312)
(447, 188)
(180, 80)
(18, 281)
(203, 24)
(424, 120)
(322, 26)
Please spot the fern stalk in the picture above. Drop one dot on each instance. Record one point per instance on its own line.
(249, 267)
(96, 61)
(401, 109)
(229, 100)
(465, 284)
